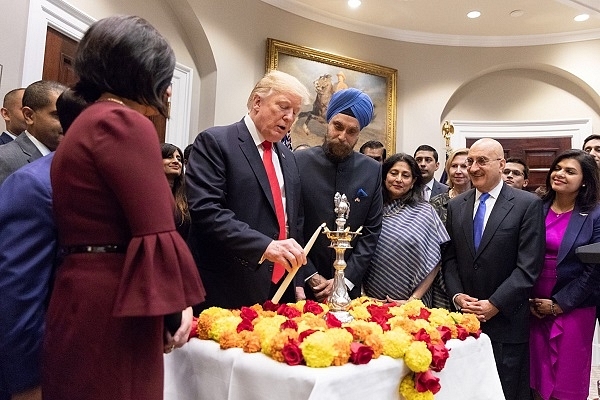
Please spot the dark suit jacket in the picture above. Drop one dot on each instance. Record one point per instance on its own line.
(233, 216)
(577, 283)
(15, 154)
(438, 188)
(5, 138)
(321, 179)
(27, 256)
(507, 263)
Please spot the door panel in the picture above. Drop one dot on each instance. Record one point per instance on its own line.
(59, 60)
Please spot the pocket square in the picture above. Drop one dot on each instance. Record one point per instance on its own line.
(360, 194)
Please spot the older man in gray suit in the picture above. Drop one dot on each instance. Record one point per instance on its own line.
(494, 258)
(43, 128)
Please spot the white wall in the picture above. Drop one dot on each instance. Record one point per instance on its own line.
(224, 42)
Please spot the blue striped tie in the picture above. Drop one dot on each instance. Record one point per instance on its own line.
(478, 220)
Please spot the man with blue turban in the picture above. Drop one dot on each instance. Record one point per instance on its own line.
(331, 168)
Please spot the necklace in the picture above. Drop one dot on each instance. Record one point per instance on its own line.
(561, 212)
(111, 99)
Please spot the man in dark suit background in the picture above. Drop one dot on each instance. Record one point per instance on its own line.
(336, 167)
(428, 160)
(235, 234)
(494, 279)
(12, 115)
(43, 128)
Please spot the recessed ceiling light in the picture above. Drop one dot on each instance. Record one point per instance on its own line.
(582, 17)
(474, 14)
(354, 3)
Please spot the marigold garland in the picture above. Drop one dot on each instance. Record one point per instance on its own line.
(306, 333)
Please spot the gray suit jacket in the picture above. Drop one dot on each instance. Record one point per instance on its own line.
(16, 154)
(507, 262)
(438, 188)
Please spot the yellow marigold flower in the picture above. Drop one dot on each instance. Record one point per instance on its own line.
(409, 392)
(342, 340)
(457, 317)
(375, 341)
(318, 350)
(471, 323)
(404, 323)
(412, 308)
(250, 341)
(299, 305)
(257, 307)
(417, 357)
(278, 341)
(206, 319)
(362, 329)
(440, 317)
(395, 311)
(363, 300)
(230, 339)
(310, 321)
(223, 324)
(360, 312)
(395, 343)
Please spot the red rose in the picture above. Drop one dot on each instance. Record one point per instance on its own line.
(439, 355)
(332, 321)
(445, 333)
(313, 307)
(423, 314)
(382, 321)
(292, 353)
(194, 331)
(425, 381)
(245, 325)
(289, 324)
(270, 306)
(360, 353)
(379, 312)
(476, 334)
(248, 313)
(287, 311)
(304, 334)
(462, 332)
(422, 336)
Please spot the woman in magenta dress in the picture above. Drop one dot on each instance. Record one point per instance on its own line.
(564, 296)
(124, 265)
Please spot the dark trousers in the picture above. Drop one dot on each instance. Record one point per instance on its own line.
(512, 362)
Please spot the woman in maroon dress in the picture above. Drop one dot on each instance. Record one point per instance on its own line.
(125, 266)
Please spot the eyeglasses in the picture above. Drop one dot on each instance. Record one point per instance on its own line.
(481, 161)
(515, 172)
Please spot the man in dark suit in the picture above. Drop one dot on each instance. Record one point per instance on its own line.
(427, 158)
(43, 128)
(236, 237)
(493, 280)
(336, 167)
(12, 115)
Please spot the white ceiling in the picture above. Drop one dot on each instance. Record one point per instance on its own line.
(444, 22)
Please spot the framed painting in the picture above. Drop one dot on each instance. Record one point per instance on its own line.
(323, 74)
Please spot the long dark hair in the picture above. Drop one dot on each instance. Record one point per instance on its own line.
(128, 57)
(182, 212)
(588, 196)
(415, 194)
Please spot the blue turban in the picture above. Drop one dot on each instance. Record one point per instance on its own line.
(357, 102)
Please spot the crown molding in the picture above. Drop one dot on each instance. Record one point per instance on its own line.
(430, 38)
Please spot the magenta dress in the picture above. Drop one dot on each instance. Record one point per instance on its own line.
(561, 346)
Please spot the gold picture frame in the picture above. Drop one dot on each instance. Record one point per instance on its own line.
(318, 71)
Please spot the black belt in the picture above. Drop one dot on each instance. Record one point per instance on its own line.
(112, 248)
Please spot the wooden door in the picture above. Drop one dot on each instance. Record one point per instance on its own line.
(59, 60)
(538, 153)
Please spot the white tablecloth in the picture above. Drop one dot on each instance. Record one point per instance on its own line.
(200, 370)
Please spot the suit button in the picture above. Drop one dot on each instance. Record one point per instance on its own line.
(276, 236)
(270, 268)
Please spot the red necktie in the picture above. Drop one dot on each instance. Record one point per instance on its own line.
(278, 269)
